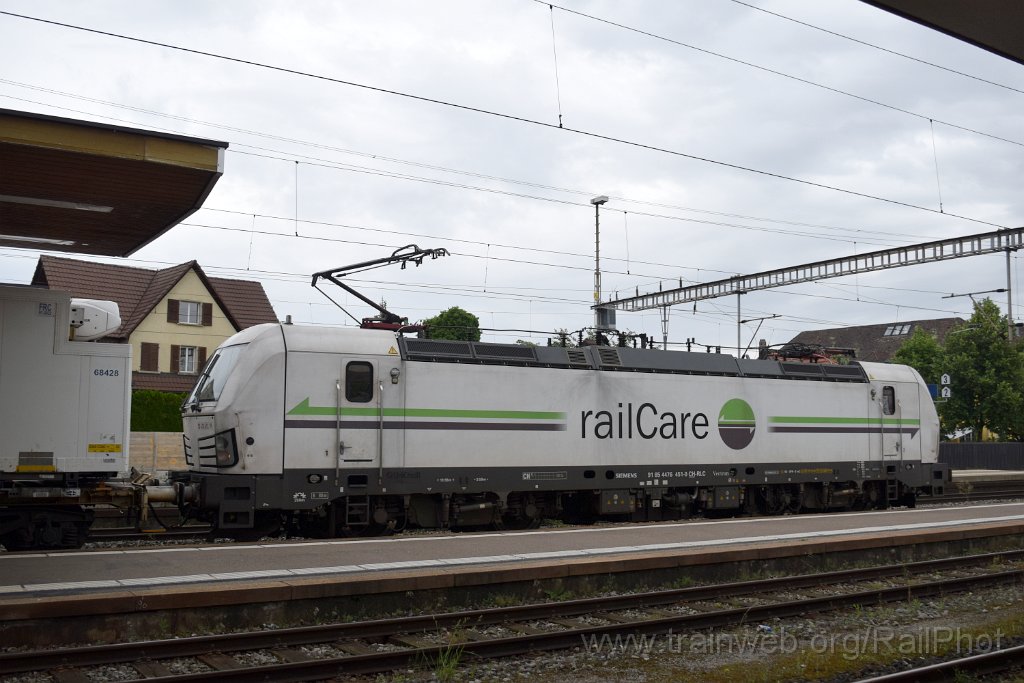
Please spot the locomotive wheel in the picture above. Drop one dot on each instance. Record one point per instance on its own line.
(516, 523)
(524, 514)
(772, 500)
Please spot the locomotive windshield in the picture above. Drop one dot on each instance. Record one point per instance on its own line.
(216, 372)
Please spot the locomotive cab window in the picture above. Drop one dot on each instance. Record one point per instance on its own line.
(215, 374)
(359, 382)
(888, 401)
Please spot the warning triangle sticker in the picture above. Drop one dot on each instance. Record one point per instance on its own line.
(392, 351)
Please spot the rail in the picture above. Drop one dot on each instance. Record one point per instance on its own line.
(415, 640)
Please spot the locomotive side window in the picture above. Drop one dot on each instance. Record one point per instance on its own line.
(359, 382)
(888, 401)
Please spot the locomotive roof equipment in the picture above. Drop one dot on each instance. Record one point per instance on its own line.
(386, 320)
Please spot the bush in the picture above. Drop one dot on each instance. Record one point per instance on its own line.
(156, 411)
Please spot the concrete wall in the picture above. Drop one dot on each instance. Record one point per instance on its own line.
(156, 451)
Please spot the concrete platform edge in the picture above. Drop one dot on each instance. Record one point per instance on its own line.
(196, 596)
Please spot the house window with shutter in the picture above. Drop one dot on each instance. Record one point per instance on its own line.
(150, 360)
(187, 359)
(189, 312)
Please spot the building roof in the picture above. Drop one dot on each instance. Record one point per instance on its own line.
(163, 381)
(877, 343)
(993, 25)
(137, 291)
(96, 188)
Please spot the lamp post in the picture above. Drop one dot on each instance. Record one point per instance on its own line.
(597, 202)
(1010, 327)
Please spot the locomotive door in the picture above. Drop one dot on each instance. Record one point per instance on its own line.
(890, 417)
(360, 414)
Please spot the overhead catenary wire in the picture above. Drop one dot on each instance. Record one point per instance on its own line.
(624, 220)
(319, 145)
(783, 74)
(461, 289)
(625, 228)
(468, 255)
(392, 246)
(486, 256)
(527, 120)
(554, 52)
(935, 154)
(459, 240)
(885, 241)
(879, 47)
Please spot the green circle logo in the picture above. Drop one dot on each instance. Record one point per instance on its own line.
(736, 423)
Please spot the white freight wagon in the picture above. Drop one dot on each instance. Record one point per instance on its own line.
(65, 406)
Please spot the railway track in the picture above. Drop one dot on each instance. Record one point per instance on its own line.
(134, 534)
(964, 668)
(435, 640)
(967, 492)
(169, 521)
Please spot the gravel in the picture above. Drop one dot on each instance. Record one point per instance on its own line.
(757, 649)
(761, 650)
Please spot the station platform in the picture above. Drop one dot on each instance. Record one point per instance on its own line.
(976, 476)
(167, 577)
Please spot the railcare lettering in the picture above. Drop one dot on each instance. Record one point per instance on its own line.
(645, 422)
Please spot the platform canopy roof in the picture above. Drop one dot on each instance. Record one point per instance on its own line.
(993, 25)
(95, 188)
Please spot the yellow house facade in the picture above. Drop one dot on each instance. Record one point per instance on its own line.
(174, 337)
(173, 318)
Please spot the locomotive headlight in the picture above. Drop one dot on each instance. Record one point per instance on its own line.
(224, 445)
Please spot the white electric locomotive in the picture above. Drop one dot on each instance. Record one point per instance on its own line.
(358, 431)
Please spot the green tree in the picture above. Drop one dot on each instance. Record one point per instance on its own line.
(987, 375)
(923, 353)
(455, 323)
(570, 338)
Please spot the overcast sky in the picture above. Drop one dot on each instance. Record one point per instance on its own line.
(732, 83)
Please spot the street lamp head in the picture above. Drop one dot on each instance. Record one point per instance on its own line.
(597, 201)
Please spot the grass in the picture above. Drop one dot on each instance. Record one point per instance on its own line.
(845, 655)
(447, 662)
(502, 600)
(558, 594)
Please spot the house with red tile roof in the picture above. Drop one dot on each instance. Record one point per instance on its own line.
(173, 317)
(876, 343)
